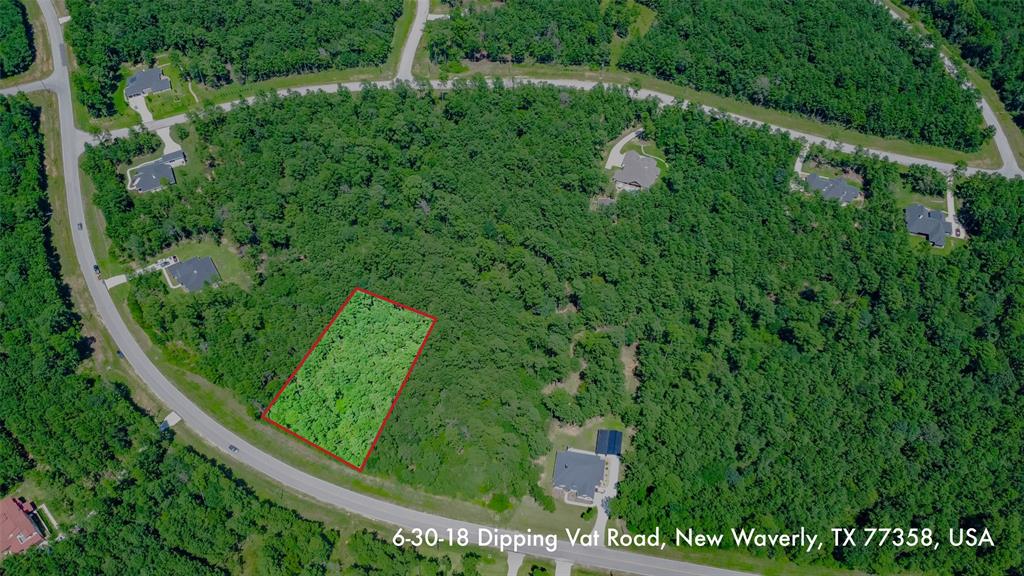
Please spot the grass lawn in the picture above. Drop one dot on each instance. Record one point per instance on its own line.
(924, 244)
(42, 67)
(227, 261)
(647, 148)
(905, 197)
(172, 102)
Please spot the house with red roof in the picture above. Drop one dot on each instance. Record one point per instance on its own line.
(18, 527)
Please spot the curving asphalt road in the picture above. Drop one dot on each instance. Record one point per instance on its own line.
(72, 145)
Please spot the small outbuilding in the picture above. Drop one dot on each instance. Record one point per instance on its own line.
(149, 81)
(931, 224)
(637, 173)
(837, 189)
(578, 476)
(192, 274)
(609, 442)
(20, 528)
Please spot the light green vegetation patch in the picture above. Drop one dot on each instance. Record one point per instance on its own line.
(343, 390)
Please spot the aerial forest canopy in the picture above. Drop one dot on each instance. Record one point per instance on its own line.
(800, 364)
(845, 62)
(990, 34)
(223, 41)
(16, 50)
(138, 503)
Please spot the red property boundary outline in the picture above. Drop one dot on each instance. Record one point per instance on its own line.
(266, 412)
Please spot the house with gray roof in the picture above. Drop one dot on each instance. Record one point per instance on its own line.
(151, 176)
(637, 173)
(931, 224)
(837, 189)
(578, 475)
(192, 274)
(149, 81)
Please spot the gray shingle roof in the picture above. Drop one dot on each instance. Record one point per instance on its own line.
(193, 274)
(931, 224)
(176, 156)
(833, 188)
(148, 177)
(637, 170)
(578, 472)
(147, 81)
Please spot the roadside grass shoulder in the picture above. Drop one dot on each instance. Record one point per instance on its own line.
(536, 567)
(42, 66)
(1013, 132)
(402, 27)
(987, 157)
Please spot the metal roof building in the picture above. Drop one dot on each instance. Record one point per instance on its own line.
(609, 442)
(931, 224)
(637, 172)
(194, 274)
(148, 81)
(578, 474)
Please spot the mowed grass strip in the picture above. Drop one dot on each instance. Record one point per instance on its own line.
(343, 391)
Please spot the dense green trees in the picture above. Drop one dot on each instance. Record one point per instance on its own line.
(568, 32)
(138, 503)
(990, 34)
(409, 196)
(801, 364)
(13, 462)
(603, 387)
(344, 389)
(221, 41)
(841, 62)
(16, 49)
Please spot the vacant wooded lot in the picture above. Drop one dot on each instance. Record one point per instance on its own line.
(344, 388)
